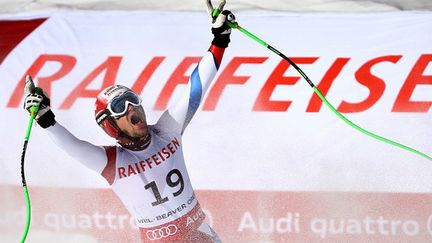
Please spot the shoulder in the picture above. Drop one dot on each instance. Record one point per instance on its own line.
(111, 148)
(166, 124)
(109, 171)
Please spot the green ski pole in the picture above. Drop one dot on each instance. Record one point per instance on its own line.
(33, 112)
(321, 96)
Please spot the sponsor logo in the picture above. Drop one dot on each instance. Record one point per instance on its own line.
(161, 233)
(401, 85)
(111, 90)
(101, 118)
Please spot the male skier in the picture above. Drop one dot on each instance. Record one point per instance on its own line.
(146, 169)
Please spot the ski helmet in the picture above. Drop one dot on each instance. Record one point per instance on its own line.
(103, 114)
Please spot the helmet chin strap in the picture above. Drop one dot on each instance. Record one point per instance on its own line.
(134, 143)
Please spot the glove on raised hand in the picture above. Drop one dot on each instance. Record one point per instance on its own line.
(37, 97)
(220, 28)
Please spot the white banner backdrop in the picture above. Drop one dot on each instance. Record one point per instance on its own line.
(377, 68)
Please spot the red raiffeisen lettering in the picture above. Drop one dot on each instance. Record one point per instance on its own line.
(151, 162)
(415, 79)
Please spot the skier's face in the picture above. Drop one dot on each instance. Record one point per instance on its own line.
(133, 122)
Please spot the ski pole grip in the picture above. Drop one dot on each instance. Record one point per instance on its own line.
(38, 90)
(232, 25)
(216, 12)
(33, 111)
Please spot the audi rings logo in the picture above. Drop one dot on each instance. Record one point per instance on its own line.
(162, 232)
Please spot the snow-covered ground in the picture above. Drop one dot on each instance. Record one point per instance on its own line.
(17, 6)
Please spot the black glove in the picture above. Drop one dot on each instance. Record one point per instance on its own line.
(37, 97)
(220, 28)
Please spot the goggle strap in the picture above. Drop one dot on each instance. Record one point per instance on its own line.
(103, 116)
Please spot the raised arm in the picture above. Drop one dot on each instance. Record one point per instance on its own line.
(92, 156)
(204, 72)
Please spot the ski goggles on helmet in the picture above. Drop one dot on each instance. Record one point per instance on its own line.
(119, 105)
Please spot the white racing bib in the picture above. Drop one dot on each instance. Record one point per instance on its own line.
(153, 184)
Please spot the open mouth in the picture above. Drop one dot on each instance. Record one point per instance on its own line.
(135, 119)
